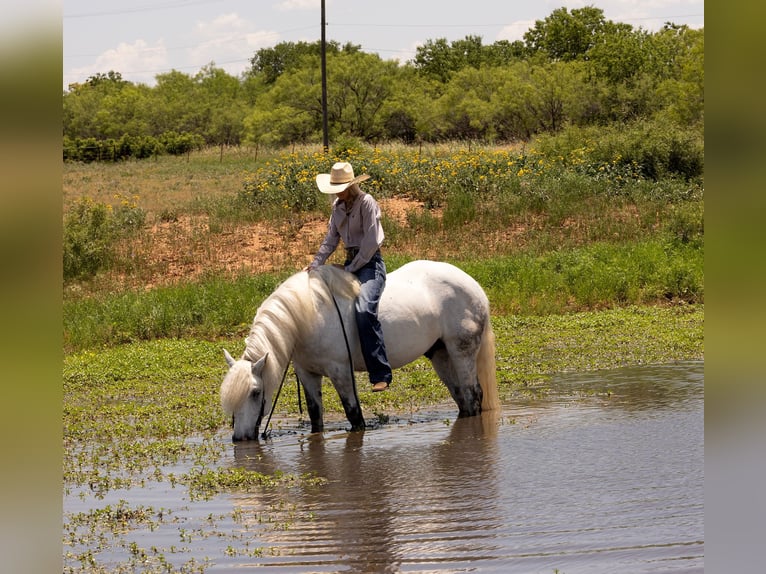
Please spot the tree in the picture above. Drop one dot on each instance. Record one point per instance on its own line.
(358, 85)
(503, 52)
(270, 63)
(466, 106)
(177, 107)
(681, 90)
(289, 112)
(619, 53)
(104, 106)
(220, 95)
(566, 35)
(435, 59)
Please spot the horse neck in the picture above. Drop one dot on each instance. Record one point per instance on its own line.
(280, 323)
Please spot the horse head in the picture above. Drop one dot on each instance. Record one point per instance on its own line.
(242, 396)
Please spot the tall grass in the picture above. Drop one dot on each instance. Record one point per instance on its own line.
(209, 308)
(596, 276)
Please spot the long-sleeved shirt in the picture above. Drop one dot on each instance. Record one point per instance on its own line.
(359, 228)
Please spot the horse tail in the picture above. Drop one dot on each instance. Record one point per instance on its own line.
(485, 366)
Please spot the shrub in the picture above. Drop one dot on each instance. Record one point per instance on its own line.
(91, 231)
(645, 149)
(88, 239)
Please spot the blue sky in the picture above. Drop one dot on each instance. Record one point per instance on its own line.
(143, 38)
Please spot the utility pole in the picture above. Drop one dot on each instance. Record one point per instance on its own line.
(325, 138)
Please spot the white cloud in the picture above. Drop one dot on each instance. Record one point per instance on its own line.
(137, 62)
(515, 31)
(289, 5)
(230, 41)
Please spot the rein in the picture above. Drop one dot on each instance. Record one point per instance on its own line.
(348, 347)
(264, 434)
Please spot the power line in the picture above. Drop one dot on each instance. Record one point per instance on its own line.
(400, 25)
(146, 8)
(176, 48)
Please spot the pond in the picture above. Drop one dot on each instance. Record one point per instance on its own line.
(602, 473)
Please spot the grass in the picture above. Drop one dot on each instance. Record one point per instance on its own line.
(593, 277)
(554, 233)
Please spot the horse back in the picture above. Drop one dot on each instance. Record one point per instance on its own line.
(425, 302)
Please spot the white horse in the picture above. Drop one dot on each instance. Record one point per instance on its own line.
(427, 308)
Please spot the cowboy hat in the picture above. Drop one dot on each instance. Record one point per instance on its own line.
(340, 177)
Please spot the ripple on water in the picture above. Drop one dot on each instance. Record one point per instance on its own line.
(603, 475)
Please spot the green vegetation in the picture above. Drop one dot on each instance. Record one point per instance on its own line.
(572, 68)
(563, 226)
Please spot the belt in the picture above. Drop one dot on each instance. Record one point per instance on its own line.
(351, 252)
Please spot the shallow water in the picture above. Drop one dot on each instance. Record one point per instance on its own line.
(603, 474)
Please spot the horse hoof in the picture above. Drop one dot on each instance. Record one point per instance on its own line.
(381, 386)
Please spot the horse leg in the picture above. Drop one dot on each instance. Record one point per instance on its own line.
(459, 375)
(347, 393)
(312, 389)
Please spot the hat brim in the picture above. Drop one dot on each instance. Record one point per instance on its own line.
(324, 185)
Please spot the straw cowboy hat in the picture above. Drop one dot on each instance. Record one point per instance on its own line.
(340, 177)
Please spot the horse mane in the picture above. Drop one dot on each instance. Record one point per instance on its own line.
(291, 310)
(280, 319)
(339, 282)
(235, 387)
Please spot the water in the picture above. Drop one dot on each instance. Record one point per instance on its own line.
(604, 474)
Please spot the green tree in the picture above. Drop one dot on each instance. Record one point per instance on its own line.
(177, 107)
(566, 35)
(84, 111)
(466, 107)
(409, 114)
(439, 60)
(436, 59)
(220, 93)
(290, 112)
(620, 53)
(681, 89)
(358, 86)
(270, 63)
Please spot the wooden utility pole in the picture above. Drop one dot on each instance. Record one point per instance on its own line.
(325, 137)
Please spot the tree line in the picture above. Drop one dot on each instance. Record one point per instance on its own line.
(572, 68)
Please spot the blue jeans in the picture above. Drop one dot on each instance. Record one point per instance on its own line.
(373, 279)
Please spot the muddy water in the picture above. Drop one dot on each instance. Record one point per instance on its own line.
(603, 474)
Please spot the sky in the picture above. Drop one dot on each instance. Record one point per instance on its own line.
(143, 38)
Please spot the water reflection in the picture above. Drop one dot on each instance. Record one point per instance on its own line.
(637, 388)
(603, 474)
(388, 499)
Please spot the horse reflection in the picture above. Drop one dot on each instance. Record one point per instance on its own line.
(386, 498)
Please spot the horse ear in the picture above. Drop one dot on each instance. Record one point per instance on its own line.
(229, 358)
(258, 365)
